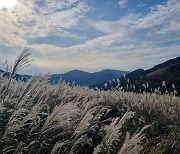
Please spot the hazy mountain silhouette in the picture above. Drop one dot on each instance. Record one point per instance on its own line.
(17, 76)
(78, 77)
(85, 78)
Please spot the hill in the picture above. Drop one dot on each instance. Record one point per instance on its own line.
(151, 79)
(38, 117)
(85, 78)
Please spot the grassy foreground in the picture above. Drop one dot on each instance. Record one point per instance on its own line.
(36, 117)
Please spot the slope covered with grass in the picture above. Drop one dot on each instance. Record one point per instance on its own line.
(36, 117)
(140, 80)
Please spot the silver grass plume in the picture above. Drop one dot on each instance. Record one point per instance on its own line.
(132, 144)
(21, 62)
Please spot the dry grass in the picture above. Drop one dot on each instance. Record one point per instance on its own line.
(36, 116)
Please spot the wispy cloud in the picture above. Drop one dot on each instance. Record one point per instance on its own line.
(141, 35)
(124, 43)
(122, 3)
(162, 16)
(33, 19)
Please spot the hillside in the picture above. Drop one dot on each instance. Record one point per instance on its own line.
(38, 117)
(85, 78)
(151, 79)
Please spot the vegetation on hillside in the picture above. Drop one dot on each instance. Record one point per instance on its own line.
(37, 117)
(162, 77)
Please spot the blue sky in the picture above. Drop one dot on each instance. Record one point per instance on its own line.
(90, 35)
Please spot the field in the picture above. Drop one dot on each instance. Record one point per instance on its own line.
(37, 117)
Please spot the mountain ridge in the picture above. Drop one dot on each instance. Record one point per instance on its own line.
(167, 72)
(77, 77)
(83, 78)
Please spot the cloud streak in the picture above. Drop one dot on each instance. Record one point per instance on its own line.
(125, 43)
(122, 3)
(27, 20)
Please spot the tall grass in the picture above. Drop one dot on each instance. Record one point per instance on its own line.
(37, 117)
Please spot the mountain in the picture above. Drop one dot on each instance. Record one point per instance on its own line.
(133, 75)
(17, 76)
(78, 77)
(168, 71)
(87, 79)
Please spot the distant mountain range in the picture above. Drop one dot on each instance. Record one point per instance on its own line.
(79, 77)
(17, 76)
(152, 78)
(168, 71)
(87, 79)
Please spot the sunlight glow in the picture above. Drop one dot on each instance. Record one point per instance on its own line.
(7, 4)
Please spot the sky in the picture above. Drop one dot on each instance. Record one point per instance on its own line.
(89, 35)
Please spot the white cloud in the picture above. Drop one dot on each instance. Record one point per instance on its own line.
(116, 57)
(115, 27)
(166, 15)
(122, 3)
(162, 19)
(127, 43)
(28, 20)
(141, 5)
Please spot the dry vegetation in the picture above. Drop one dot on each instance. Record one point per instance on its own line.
(36, 117)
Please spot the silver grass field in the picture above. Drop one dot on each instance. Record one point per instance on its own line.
(37, 117)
